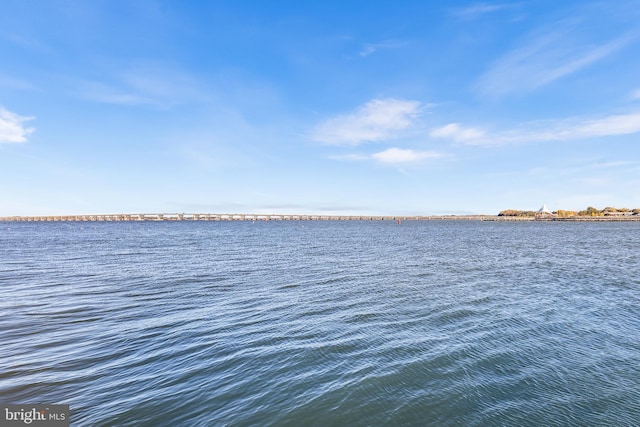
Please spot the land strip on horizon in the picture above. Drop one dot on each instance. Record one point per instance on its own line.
(279, 217)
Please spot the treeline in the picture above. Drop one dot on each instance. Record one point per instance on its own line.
(514, 212)
(590, 211)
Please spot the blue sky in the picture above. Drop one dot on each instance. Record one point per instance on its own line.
(333, 107)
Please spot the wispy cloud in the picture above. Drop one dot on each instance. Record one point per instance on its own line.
(622, 124)
(12, 127)
(377, 120)
(457, 133)
(107, 94)
(545, 57)
(28, 42)
(558, 130)
(370, 48)
(635, 94)
(601, 167)
(14, 83)
(477, 10)
(149, 84)
(583, 167)
(351, 157)
(402, 155)
(392, 155)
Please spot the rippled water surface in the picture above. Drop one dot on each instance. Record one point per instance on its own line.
(323, 323)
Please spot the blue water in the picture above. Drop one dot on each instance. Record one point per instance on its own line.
(354, 323)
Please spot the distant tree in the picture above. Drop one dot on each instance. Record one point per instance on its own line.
(509, 212)
(593, 211)
(517, 213)
(565, 214)
(590, 211)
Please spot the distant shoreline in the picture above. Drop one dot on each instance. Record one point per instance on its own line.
(278, 217)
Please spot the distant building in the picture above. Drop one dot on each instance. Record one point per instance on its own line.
(617, 213)
(544, 212)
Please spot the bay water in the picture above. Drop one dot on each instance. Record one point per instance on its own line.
(323, 323)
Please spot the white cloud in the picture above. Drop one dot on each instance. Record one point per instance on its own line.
(350, 157)
(622, 124)
(15, 83)
(457, 133)
(401, 155)
(29, 43)
(588, 167)
(477, 10)
(377, 120)
(12, 128)
(544, 58)
(559, 130)
(390, 156)
(636, 94)
(370, 48)
(109, 95)
(156, 84)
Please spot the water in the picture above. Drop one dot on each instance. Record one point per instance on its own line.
(350, 323)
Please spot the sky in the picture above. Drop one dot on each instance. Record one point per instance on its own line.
(333, 107)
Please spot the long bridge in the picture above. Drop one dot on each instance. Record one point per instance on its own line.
(278, 217)
(240, 217)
